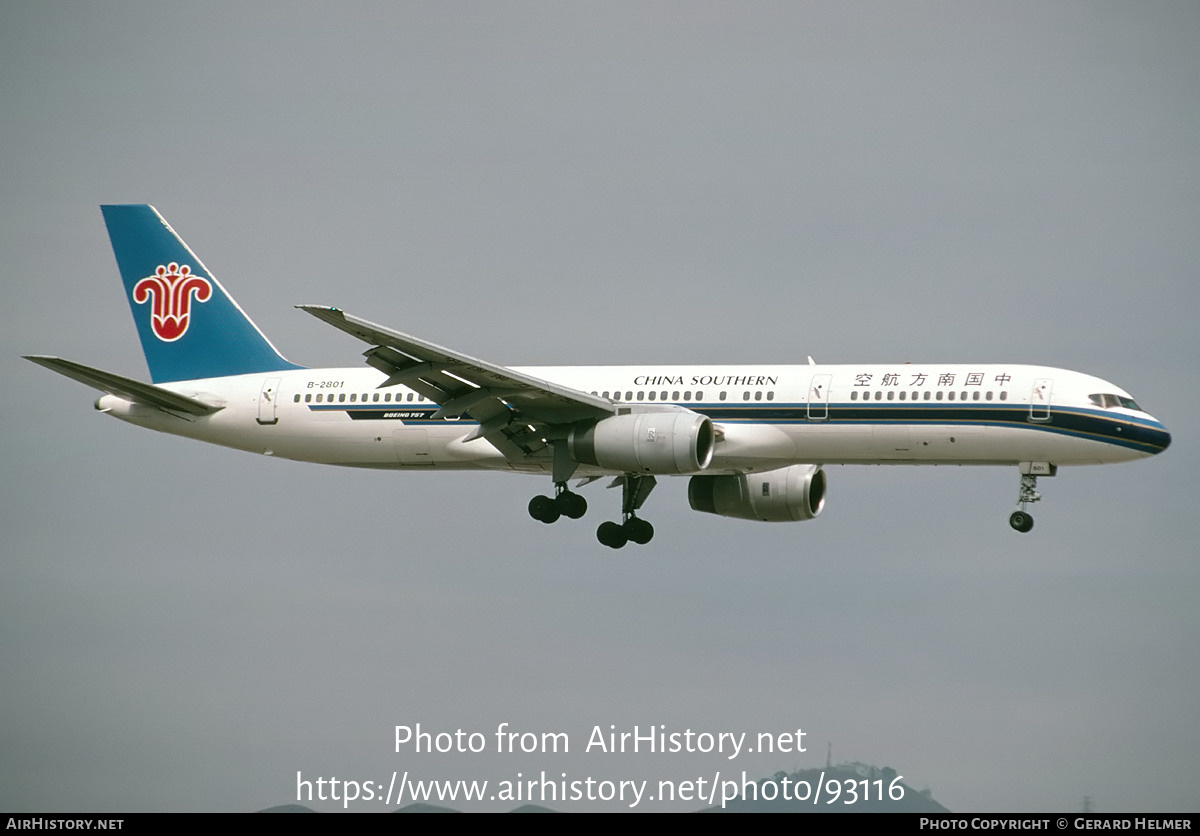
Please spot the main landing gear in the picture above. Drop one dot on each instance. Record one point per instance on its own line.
(631, 529)
(565, 503)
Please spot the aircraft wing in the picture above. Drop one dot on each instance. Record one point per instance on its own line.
(126, 387)
(518, 413)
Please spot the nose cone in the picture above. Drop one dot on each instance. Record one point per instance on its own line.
(1154, 436)
(1164, 438)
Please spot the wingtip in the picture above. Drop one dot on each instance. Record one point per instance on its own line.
(325, 313)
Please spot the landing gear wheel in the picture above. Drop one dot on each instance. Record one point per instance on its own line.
(543, 509)
(611, 534)
(1021, 521)
(638, 530)
(571, 504)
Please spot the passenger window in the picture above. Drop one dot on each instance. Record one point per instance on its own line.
(674, 396)
(722, 395)
(1004, 395)
(770, 396)
(308, 398)
(687, 396)
(853, 394)
(296, 400)
(653, 395)
(891, 395)
(641, 396)
(745, 396)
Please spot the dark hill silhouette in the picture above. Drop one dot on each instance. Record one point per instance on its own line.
(424, 808)
(288, 808)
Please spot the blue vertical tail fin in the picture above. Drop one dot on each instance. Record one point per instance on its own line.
(189, 326)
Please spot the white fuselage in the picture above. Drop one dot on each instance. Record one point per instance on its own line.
(767, 417)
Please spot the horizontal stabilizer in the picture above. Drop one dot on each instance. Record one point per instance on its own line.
(125, 387)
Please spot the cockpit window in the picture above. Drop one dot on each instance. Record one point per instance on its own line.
(1108, 401)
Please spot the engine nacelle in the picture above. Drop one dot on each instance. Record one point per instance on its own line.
(668, 442)
(789, 494)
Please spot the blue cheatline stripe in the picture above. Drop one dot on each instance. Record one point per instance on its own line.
(1126, 431)
(1121, 430)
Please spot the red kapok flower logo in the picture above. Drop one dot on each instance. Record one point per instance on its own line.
(172, 288)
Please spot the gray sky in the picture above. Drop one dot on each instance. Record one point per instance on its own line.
(185, 627)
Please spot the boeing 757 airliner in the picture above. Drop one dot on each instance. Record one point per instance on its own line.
(753, 439)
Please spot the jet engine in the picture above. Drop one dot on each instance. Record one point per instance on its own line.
(789, 494)
(667, 442)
